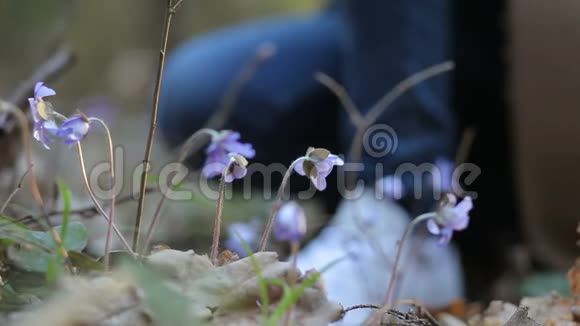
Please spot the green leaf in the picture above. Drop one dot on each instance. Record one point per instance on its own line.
(35, 257)
(9, 222)
(290, 297)
(168, 306)
(66, 196)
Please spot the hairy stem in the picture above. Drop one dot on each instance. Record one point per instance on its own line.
(394, 271)
(292, 276)
(113, 195)
(218, 216)
(190, 146)
(96, 202)
(276, 206)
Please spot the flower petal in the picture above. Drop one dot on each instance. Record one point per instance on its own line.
(433, 227)
(73, 129)
(461, 223)
(319, 182)
(41, 91)
(324, 167)
(463, 207)
(211, 170)
(335, 159)
(239, 171)
(228, 178)
(245, 150)
(445, 237)
(299, 166)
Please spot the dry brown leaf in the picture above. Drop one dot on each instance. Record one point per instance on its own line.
(218, 295)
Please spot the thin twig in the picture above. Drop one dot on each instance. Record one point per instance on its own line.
(340, 92)
(153, 124)
(421, 309)
(18, 187)
(405, 85)
(92, 210)
(360, 306)
(355, 152)
(276, 206)
(263, 53)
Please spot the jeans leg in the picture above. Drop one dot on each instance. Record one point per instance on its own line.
(385, 42)
(282, 110)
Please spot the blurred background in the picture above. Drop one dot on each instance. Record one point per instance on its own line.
(515, 84)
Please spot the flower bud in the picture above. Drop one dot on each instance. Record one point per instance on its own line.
(290, 223)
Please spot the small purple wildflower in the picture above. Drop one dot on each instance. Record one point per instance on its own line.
(42, 129)
(290, 223)
(74, 129)
(317, 165)
(242, 234)
(450, 217)
(238, 168)
(218, 154)
(42, 113)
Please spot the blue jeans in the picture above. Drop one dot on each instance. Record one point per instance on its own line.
(367, 45)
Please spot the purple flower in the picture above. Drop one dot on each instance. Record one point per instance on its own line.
(242, 234)
(290, 223)
(450, 217)
(317, 165)
(42, 129)
(218, 154)
(42, 113)
(73, 129)
(40, 109)
(238, 168)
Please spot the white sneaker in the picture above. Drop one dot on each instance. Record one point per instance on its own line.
(364, 234)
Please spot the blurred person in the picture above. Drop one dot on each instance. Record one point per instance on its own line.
(368, 46)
